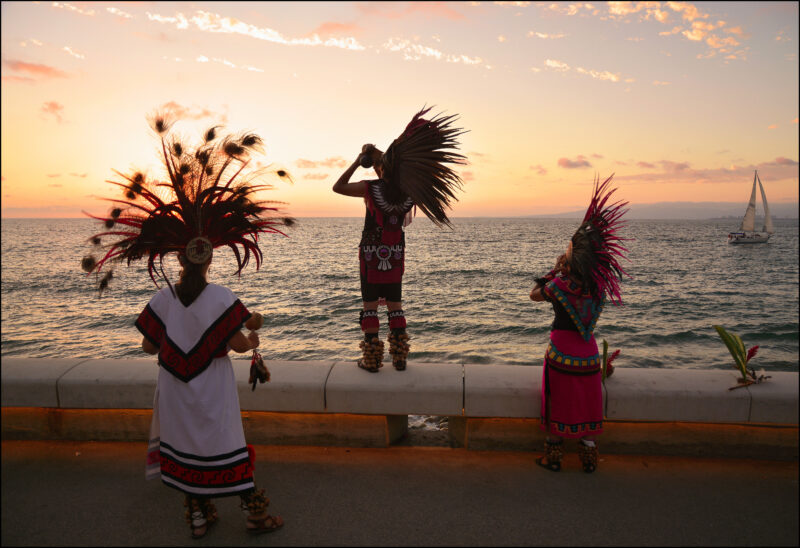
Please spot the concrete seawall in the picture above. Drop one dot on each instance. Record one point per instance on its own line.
(648, 411)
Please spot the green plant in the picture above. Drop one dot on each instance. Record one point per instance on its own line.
(741, 355)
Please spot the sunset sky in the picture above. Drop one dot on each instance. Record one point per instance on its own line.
(682, 101)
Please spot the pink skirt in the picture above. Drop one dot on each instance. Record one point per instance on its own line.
(572, 393)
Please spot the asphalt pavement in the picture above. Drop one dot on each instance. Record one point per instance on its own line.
(70, 493)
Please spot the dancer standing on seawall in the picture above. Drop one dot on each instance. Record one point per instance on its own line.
(197, 443)
(412, 172)
(577, 287)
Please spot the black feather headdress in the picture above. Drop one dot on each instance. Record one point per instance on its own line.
(205, 203)
(417, 163)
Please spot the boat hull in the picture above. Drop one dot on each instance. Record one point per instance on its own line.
(739, 238)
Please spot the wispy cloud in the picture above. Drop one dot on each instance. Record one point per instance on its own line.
(73, 8)
(645, 165)
(81, 175)
(21, 79)
(73, 52)
(600, 75)
(561, 66)
(35, 69)
(556, 65)
(335, 161)
(544, 35)
(579, 162)
(467, 175)
(55, 109)
(577, 8)
(53, 175)
(681, 172)
(331, 28)
(193, 112)
(204, 59)
(56, 185)
(211, 22)
(772, 126)
(316, 176)
(398, 10)
(414, 52)
(119, 13)
(539, 169)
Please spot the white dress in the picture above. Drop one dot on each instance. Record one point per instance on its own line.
(197, 441)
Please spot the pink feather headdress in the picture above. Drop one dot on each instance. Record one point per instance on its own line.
(596, 244)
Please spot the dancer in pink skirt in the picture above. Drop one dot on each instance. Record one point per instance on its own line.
(577, 287)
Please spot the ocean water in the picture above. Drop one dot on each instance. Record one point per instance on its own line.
(465, 293)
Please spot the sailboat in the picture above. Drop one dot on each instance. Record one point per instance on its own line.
(747, 233)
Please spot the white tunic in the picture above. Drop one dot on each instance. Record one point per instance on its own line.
(197, 441)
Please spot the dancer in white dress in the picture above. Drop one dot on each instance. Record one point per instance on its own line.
(197, 442)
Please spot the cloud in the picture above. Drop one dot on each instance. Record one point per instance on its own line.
(513, 4)
(571, 9)
(397, 10)
(193, 113)
(54, 108)
(688, 11)
(415, 52)
(65, 5)
(335, 161)
(35, 69)
(579, 162)
(82, 175)
(23, 79)
(204, 59)
(645, 165)
(595, 155)
(467, 176)
(53, 175)
(772, 126)
(73, 53)
(332, 28)
(539, 169)
(544, 35)
(56, 185)
(556, 65)
(316, 176)
(599, 75)
(215, 23)
(780, 160)
(118, 12)
(674, 167)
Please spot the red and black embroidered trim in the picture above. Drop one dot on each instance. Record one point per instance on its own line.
(212, 344)
(151, 326)
(214, 474)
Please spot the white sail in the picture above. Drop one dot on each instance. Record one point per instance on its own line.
(749, 220)
(767, 217)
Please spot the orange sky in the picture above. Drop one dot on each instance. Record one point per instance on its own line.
(681, 101)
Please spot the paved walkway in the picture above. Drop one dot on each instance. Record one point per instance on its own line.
(94, 494)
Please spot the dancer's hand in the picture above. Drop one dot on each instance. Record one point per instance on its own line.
(253, 338)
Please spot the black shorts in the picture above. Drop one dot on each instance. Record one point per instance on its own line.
(373, 292)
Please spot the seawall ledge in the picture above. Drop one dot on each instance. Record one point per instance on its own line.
(335, 403)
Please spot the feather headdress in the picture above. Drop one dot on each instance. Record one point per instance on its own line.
(417, 163)
(596, 248)
(205, 203)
